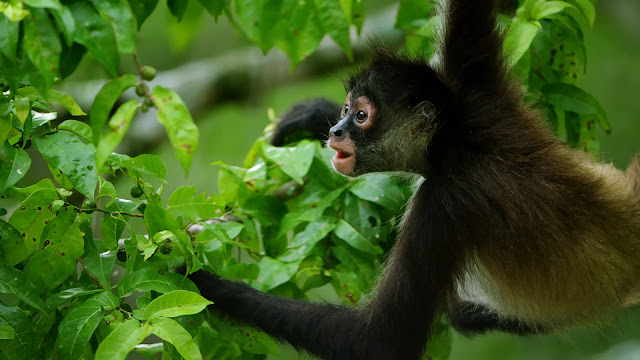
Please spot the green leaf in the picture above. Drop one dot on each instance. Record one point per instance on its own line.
(7, 332)
(21, 347)
(28, 220)
(42, 45)
(336, 23)
(175, 303)
(66, 24)
(107, 189)
(77, 127)
(178, 7)
(304, 241)
(121, 341)
(52, 96)
(294, 161)
(183, 32)
(274, 272)
(61, 245)
(14, 164)
(158, 219)
(413, 14)
(68, 155)
(23, 109)
(67, 101)
(142, 9)
(63, 296)
(183, 203)
(77, 327)
(439, 345)
(587, 8)
(100, 264)
(175, 117)
(304, 32)
(13, 281)
(259, 20)
(352, 237)
(112, 228)
(215, 7)
(172, 332)
(104, 101)
(9, 42)
(118, 13)
(118, 126)
(147, 164)
(571, 98)
(519, 39)
(544, 9)
(148, 279)
(96, 34)
(362, 215)
(23, 193)
(54, 4)
(380, 189)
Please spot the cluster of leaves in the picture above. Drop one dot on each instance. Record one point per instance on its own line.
(85, 271)
(544, 46)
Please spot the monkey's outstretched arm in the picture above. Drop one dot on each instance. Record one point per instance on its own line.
(311, 118)
(472, 48)
(395, 323)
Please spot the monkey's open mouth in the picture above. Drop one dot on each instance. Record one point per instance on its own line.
(344, 160)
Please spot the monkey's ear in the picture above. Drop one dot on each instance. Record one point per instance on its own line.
(425, 114)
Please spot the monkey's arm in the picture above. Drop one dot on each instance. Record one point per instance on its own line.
(393, 325)
(312, 118)
(472, 48)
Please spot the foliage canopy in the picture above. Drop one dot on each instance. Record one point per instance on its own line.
(86, 270)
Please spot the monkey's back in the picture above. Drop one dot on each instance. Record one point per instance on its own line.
(559, 242)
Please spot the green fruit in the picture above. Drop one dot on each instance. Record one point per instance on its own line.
(148, 73)
(142, 89)
(136, 192)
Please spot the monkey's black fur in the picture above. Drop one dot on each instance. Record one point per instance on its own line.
(553, 236)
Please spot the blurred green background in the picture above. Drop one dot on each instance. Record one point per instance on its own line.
(238, 114)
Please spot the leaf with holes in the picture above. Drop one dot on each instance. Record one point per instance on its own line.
(28, 221)
(571, 98)
(60, 247)
(67, 154)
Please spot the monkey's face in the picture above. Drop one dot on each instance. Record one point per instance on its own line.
(357, 118)
(372, 138)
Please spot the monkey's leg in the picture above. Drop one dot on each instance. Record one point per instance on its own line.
(471, 319)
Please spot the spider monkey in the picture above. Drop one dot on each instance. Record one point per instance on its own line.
(510, 230)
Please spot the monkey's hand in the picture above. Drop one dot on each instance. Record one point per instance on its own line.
(306, 119)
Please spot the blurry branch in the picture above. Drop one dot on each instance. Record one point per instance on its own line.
(242, 75)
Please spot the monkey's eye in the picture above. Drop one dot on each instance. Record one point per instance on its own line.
(361, 116)
(345, 109)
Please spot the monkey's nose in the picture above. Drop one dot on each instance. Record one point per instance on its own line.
(337, 133)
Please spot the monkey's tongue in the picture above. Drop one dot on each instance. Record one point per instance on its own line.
(343, 155)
